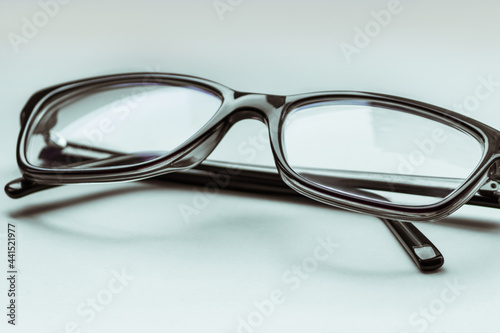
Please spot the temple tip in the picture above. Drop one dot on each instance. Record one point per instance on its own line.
(21, 187)
(428, 258)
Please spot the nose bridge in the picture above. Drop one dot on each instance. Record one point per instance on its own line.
(262, 107)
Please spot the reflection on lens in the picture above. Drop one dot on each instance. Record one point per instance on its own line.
(379, 153)
(117, 125)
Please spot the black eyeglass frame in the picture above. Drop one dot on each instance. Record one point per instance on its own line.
(271, 110)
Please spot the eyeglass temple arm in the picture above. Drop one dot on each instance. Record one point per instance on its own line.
(422, 251)
(252, 178)
(229, 176)
(264, 179)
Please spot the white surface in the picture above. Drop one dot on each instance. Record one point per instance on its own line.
(206, 274)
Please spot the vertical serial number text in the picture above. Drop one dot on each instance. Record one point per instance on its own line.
(11, 274)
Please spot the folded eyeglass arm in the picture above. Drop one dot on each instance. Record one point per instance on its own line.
(265, 179)
(262, 180)
(259, 178)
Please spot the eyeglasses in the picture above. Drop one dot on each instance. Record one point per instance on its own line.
(390, 157)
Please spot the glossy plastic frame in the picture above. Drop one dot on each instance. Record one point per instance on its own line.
(271, 110)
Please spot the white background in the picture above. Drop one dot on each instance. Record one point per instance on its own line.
(204, 275)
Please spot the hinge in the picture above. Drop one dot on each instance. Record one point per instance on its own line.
(490, 189)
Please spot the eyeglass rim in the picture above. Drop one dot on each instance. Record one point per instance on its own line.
(221, 122)
(481, 132)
